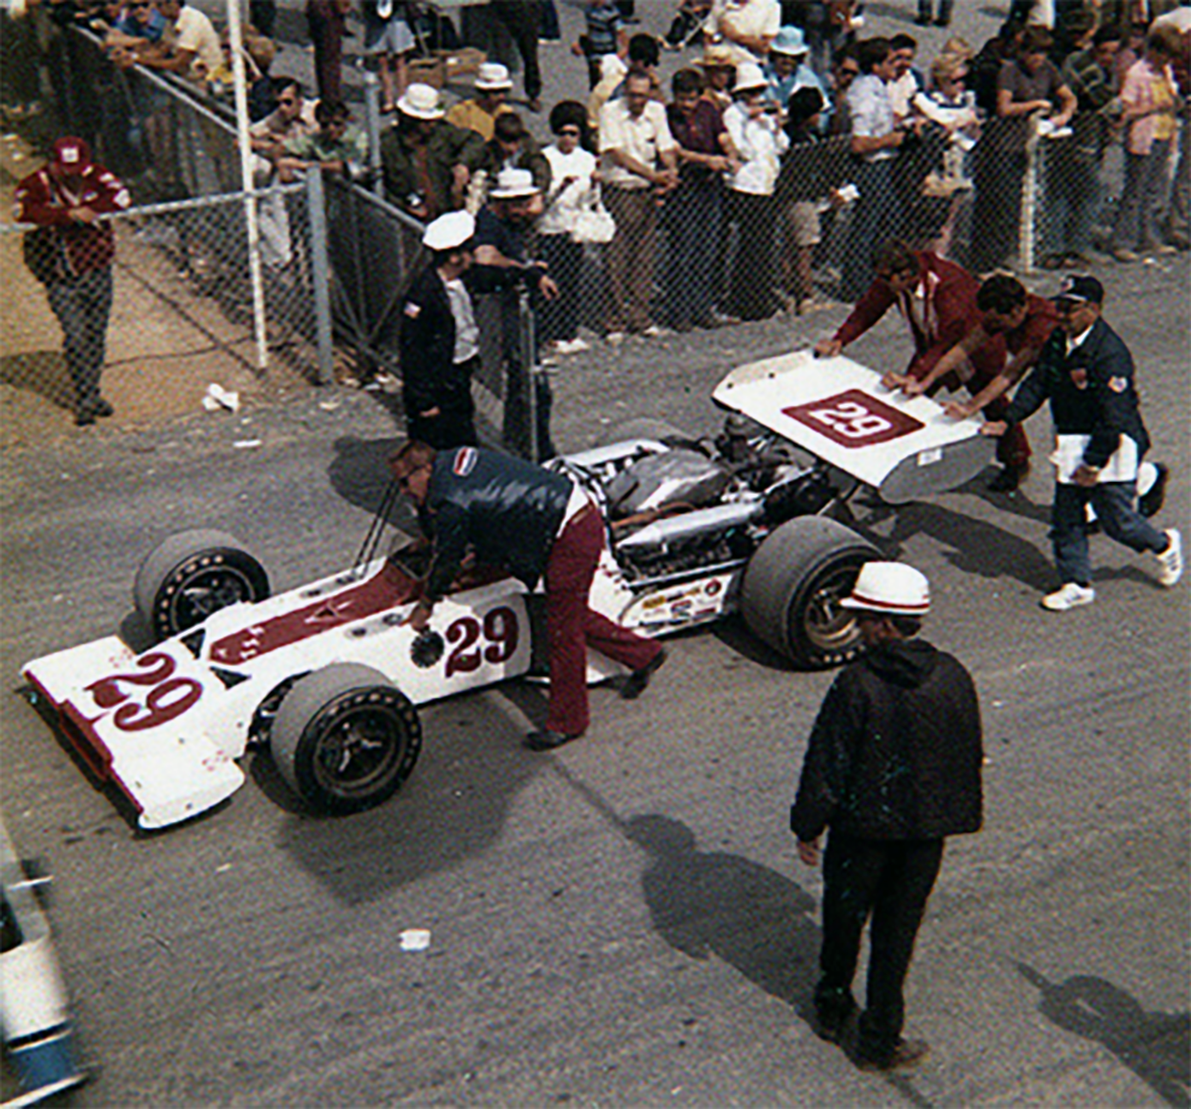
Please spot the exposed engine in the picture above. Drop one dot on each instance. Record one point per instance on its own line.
(672, 509)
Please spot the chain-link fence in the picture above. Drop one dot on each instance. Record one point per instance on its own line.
(708, 254)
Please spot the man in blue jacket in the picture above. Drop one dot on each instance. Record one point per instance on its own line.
(1086, 372)
(537, 523)
(893, 767)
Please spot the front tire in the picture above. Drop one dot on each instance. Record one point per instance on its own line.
(793, 585)
(192, 575)
(345, 738)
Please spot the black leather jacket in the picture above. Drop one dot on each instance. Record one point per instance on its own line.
(506, 510)
(896, 749)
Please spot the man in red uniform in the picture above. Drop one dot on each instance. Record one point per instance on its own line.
(938, 301)
(1013, 320)
(71, 254)
(537, 524)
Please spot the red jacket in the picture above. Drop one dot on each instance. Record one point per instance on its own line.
(946, 312)
(45, 201)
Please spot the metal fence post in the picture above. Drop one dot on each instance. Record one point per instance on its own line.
(1029, 199)
(373, 122)
(320, 273)
(532, 371)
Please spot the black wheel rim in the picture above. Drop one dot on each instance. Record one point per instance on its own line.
(204, 591)
(360, 748)
(828, 628)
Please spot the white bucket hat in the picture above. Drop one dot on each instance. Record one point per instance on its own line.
(891, 589)
(421, 102)
(512, 184)
(492, 77)
(449, 232)
(749, 76)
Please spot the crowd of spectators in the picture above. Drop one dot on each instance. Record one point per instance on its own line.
(764, 173)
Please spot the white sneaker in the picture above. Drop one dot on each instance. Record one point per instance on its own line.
(1170, 561)
(1072, 595)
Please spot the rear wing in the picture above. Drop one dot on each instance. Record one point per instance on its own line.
(907, 448)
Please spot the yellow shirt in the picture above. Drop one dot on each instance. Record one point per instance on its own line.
(469, 114)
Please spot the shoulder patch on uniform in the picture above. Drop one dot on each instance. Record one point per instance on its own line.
(465, 461)
(412, 310)
(1118, 384)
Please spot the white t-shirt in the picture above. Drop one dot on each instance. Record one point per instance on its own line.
(563, 205)
(760, 142)
(467, 334)
(194, 31)
(751, 18)
(641, 137)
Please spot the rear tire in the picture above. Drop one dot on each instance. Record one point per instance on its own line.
(793, 585)
(192, 575)
(345, 738)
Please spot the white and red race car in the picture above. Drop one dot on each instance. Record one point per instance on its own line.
(329, 677)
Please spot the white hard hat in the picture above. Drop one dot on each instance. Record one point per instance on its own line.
(421, 102)
(450, 231)
(749, 76)
(492, 77)
(890, 588)
(512, 184)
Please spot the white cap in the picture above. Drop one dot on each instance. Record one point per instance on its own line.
(492, 76)
(749, 76)
(450, 231)
(890, 588)
(421, 102)
(512, 184)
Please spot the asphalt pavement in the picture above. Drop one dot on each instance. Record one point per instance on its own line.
(623, 922)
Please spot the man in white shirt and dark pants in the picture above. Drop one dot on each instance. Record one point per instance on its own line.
(635, 141)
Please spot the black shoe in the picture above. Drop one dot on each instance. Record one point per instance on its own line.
(1150, 504)
(907, 1053)
(638, 681)
(922, 20)
(85, 418)
(833, 1027)
(547, 740)
(941, 22)
(1008, 479)
(88, 412)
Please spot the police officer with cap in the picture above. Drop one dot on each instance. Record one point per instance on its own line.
(440, 342)
(1086, 372)
(892, 768)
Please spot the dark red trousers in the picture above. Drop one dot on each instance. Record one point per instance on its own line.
(573, 627)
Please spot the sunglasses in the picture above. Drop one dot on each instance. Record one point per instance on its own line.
(568, 131)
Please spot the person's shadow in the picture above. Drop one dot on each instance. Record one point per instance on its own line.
(706, 903)
(1155, 1046)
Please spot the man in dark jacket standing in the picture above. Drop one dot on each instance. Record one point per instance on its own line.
(893, 767)
(440, 342)
(511, 513)
(1086, 372)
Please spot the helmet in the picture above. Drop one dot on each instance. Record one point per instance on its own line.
(891, 589)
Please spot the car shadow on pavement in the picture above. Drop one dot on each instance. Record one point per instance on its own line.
(1155, 1046)
(975, 546)
(453, 806)
(706, 903)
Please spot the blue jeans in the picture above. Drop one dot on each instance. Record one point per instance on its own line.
(878, 218)
(1116, 509)
(1145, 178)
(83, 306)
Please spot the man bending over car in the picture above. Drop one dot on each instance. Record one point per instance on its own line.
(511, 513)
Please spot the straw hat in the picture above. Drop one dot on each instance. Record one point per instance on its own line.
(493, 77)
(512, 184)
(749, 77)
(421, 102)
